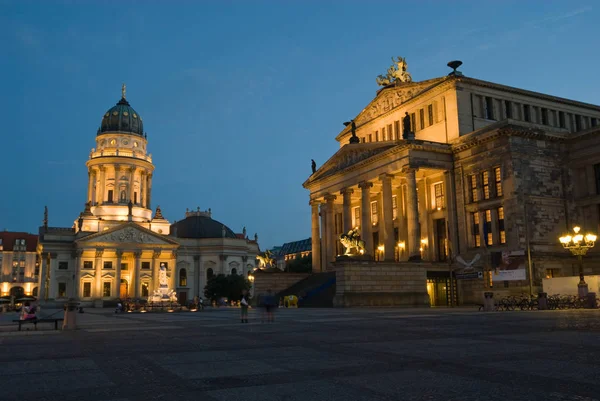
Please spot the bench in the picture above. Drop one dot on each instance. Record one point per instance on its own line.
(36, 321)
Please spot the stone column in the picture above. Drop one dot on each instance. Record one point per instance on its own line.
(98, 276)
(131, 188)
(366, 231)
(42, 282)
(155, 268)
(52, 268)
(90, 185)
(118, 273)
(331, 240)
(197, 274)
(100, 191)
(136, 289)
(316, 237)
(149, 192)
(388, 220)
(173, 269)
(77, 276)
(412, 212)
(323, 215)
(347, 209)
(143, 188)
(451, 216)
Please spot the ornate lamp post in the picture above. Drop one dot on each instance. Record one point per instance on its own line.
(579, 245)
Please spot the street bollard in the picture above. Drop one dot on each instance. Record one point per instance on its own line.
(542, 301)
(488, 302)
(590, 300)
(70, 319)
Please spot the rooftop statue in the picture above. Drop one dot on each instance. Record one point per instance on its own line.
(396, 73)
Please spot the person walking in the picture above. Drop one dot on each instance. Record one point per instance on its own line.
(244, 302)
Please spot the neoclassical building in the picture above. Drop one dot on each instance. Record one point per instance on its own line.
(454, 167)
(19, 264)
(117, 245)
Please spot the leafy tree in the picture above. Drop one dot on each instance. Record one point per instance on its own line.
(229, 287)
(300, 265)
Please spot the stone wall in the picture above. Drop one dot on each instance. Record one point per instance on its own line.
(277, 281)
(368, 283)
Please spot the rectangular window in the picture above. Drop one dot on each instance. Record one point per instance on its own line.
(145, 265)
(88, 264)
(62, 290)
(473, 185)
(430, 114)
(394, 207)
(145, 290)
(501, 225)
(87, 290)
(21, 263)
(106, 289)
(107, 265)
(508, 107)
(498, 180)
(356, 217)
(397, 130)
(422, 118)
(36, 272)
(374, 217)
(376, 136)
(526, 112)
(544, 116)
(476, 236)
(363, 139)
(438, 190)
(383, 134)
(487, 228)
(489, 108)
(370, 138)
(110, 196)
(390, 132)
(63, 265)
(561, 119)
(413, 122)
(485, 178)
(593, 122)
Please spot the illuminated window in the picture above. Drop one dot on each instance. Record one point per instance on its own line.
(182, 278)
(473, 185)
(62, 290)
(87, 290)
(551, 273)
(501, 225)
(394, 207)
(476, 236)
(498, 180)
(376, 136)
(383, 134)
(106, 289)
(107, 265)
(430, 114)
(88, 264)
(374, 217)
(487, 228)
(145, 291)
(390, 132)
(21, 263)
(439, 195)
(485, 177)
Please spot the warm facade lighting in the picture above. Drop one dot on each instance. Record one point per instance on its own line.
(579, 245)
(401, 245)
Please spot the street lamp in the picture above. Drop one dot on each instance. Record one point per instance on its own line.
(579, 245)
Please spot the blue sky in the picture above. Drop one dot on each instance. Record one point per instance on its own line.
(238, 96)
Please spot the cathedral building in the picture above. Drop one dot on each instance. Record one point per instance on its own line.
(461, 174)
(117, 245)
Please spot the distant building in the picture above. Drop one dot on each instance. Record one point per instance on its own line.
(292, 250)
(19, 264)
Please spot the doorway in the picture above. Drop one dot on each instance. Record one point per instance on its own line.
(440, 239)
(123, 289)
(182, 298)
(438, 288)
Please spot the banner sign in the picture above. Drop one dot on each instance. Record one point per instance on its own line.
(510, 267)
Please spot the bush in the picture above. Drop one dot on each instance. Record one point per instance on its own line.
(229, 287)
(300, 265)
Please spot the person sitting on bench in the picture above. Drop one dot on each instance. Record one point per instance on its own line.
(28, 312)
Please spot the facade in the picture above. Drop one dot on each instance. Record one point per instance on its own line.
(117, 246)
(291, 251)
(449, 168)
(19, 264)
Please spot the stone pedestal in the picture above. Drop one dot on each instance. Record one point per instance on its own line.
(488, 302)
(70, 319)
(369, 283)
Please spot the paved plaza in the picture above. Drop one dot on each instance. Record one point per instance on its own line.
(307, 354)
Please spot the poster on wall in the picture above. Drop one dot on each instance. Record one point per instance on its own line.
(509, 266)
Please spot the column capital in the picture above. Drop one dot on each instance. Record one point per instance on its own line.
(99, 252)
(119, 253)
(329, 198)
(314, 202)
(244, 259)
(386, 176)
(365, 185)
(77, 253)
(346, 191)
(132, 168)
(156, 254)
(101, 167)
(174, 253)
(408, 169)
(137, 254)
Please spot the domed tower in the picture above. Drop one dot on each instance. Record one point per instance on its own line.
(120, 171)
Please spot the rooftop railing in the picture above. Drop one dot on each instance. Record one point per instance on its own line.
(120, 153)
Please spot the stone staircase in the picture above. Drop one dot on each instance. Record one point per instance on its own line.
(317, 290)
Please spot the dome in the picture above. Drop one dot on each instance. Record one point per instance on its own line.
(122, 118)
(200, 227)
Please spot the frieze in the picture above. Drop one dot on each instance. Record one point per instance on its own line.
(129, 235)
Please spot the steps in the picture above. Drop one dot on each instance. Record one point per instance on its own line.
(317, 290)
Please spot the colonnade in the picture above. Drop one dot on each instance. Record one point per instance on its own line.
(98, 194)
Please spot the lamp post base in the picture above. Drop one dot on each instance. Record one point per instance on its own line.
(582, 289)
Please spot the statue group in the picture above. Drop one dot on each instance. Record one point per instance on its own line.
(396, 73)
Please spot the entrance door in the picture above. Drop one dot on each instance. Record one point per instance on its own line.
(182, 298)
(123, 289)
(440, 236)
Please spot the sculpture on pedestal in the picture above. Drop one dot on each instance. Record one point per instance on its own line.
(396, 74)
(352, 243)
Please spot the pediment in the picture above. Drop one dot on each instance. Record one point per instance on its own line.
(87, 275)
(108, 275)
(394, 96)
(128, 233)
(349, 155)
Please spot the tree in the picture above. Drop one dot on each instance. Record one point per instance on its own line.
(300, 265)
(229, 287)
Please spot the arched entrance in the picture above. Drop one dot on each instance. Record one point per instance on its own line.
(123, 289)
(17, 292)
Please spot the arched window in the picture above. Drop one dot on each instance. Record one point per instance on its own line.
(182, 278)
(209, 273)
(233, 271)
(34, 292)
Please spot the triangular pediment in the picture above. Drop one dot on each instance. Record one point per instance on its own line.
(349, 155)
(394, 96)
(128, 233)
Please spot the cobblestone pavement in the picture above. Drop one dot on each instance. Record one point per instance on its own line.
(307, 354)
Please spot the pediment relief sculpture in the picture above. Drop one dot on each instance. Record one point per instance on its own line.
(129, 235)
(349, 158)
